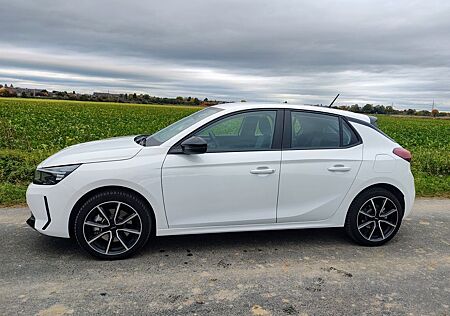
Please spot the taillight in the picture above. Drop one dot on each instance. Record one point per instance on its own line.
(403, 153)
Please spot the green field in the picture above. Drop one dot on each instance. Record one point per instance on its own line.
(31, 130)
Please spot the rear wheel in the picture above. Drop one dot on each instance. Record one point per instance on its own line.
(374, 217)
(113, 225)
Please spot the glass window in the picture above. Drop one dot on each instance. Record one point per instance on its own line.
(311, 130)
(170, 131)
(348, 135)
(241, 132)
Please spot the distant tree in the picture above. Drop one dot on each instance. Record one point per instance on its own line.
(379, 109)
(389, 110)
(435, 113)
(72, 96)
(243, 100)
(410, 112)
(43, 93)
(205, 100)
(368, 108)
(423, 113)
(4, 92)
(355, 108)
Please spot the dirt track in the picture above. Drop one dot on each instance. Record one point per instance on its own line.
(279, 273)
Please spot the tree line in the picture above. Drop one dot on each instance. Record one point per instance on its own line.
(381, 109)
(10, 91)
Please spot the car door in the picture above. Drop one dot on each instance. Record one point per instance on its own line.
(235, 182)
(321, 157)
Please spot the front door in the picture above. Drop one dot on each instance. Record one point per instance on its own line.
(235, 182)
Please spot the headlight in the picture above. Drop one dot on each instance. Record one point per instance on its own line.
(52, 175)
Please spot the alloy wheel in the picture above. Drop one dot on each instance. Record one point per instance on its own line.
(377, 218)
(112, 228)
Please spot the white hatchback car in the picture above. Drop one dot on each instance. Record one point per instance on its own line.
(227, 168)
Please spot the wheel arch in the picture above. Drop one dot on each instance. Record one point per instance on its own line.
(389, 187)
(87, 195)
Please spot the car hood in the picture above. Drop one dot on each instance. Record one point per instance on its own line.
(117, 148)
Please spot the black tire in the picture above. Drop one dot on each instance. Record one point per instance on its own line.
(113, 225)
(373, 228)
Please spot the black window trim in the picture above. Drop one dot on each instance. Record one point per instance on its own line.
(342, 120)
(277, 134)
(354, 120)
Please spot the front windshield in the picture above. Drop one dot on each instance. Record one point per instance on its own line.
(170, 131)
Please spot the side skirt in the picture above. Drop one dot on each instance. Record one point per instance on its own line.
(243, 228)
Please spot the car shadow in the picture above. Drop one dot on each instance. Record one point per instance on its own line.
(277, 239)
(258, 239)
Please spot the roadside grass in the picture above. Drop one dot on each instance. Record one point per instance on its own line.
(12, 194)
(428, 139)
(31, 130)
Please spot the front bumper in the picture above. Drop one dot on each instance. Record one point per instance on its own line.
(50, 208)
(31, 221)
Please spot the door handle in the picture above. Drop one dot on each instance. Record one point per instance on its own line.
(262, 170)
(340, 168)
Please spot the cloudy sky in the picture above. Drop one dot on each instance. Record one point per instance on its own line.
(300, 51)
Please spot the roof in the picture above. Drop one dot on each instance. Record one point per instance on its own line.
(257, 105)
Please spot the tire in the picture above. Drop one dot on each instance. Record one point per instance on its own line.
(113, 224)
(374, 217)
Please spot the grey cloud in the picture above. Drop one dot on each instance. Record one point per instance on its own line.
(303, 51)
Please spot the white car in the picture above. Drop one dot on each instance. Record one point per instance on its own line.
(227, 168)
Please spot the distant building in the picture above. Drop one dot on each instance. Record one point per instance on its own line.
(107, 95)
(26, 92)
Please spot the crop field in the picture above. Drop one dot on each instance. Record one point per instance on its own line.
(31, 130)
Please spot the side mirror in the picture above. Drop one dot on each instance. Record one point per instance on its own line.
(194, 145)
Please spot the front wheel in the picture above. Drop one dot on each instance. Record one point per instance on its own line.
(374, 217)
(113, 225)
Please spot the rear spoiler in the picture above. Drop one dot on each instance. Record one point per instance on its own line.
(373, 120)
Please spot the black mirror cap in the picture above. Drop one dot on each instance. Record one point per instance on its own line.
(194, 145)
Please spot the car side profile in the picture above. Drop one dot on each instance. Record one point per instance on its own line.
(227, 168)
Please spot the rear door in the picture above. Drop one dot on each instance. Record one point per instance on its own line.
(321, 157)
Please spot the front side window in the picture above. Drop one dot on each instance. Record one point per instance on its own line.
(248, 131)
(170, 131)
(314, 131)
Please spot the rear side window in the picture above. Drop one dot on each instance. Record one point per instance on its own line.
(320, 131)
(311, 130)
(349, 137)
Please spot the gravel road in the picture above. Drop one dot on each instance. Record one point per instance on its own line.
(296, 272)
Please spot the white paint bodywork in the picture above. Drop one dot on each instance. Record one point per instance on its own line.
(216, 192)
